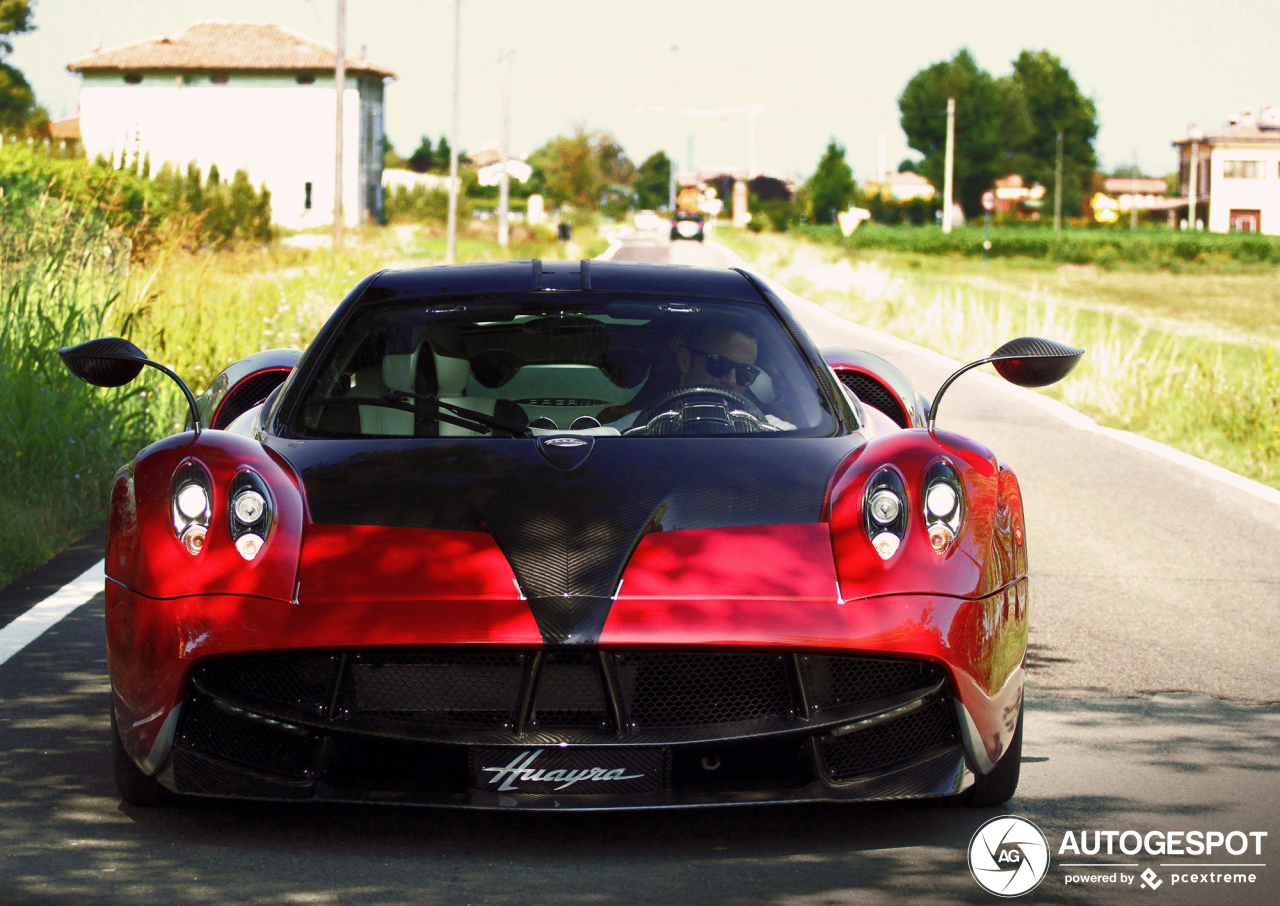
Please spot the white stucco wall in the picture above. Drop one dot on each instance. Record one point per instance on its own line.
(280, 131)
(1260, 194)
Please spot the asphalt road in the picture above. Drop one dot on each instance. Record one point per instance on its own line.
(1147, 577)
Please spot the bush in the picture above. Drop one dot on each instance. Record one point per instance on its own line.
(421, 204)
(1161, 248)
(147, 211)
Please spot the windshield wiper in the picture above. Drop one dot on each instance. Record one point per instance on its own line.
(415, 403)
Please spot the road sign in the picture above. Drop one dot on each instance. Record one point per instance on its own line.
(988, 201)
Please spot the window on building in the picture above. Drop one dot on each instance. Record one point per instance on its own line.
(132, 78)
(1242, 169)
(307, 201)
(219, 78)
(306, 78)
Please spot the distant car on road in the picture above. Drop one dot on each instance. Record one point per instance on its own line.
(687, 226)
(647, 221)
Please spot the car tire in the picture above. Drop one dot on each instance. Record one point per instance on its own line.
(999, 786)
(134, 787)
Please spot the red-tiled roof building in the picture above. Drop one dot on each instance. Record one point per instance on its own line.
(251, 95)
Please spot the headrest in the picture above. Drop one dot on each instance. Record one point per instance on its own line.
(452, 375)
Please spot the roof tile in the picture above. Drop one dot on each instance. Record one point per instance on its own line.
(223, 44)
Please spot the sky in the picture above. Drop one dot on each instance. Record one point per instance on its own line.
(823, 68)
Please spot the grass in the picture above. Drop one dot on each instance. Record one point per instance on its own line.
(1187, 359)
(63, 282)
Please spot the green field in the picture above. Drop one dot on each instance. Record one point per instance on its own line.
(1188, 359)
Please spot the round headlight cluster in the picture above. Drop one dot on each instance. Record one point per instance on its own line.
(884, 512)
(249, 513)
(192, 500)
(249, 506)
(190, 505)
(943, 505)
(885, 506)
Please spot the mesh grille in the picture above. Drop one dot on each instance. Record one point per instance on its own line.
(892, 742)
(210, 730)
(569, 691)
(247, 394)
(833, 680)
(448, 689)
(303, 681)
(682, 689)
(873, 393)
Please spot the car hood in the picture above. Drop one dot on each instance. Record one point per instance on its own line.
(567, 521)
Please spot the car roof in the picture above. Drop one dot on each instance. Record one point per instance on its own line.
(552, 276)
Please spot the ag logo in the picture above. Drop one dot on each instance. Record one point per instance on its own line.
(1008, 856)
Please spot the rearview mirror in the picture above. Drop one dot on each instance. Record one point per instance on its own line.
(108, 362)
(1026, 361)
(114, 362)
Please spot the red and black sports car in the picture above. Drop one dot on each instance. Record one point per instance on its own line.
(569, 535)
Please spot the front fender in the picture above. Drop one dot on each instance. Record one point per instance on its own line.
(143, 551)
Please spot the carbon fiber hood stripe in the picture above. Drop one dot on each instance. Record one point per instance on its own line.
(567, 534)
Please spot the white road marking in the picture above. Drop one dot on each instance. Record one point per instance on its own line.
(1061, 410)
(32, 624)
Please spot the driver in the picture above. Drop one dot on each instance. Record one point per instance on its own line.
(719, 357)
(716, 356)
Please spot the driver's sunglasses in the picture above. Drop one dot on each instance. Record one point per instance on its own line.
(718, 366)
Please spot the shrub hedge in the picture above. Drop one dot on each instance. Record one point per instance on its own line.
(1071, 246)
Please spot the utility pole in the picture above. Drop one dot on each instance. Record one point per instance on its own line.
(340, 86)
(451, 244)
(504, 183)
(1192, 178)
(948, 179)
(1133, 193)
(1057, 187)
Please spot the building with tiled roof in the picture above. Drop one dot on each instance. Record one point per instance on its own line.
(242, 95)
(1237, 173)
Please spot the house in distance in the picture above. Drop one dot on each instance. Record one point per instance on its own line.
(243, 95)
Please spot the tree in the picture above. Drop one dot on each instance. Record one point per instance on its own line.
(440, 161)
(18, 110)
(578, 169)
(423, 159)
(390, 159)
(831, 187)
(909, 166)
(653, 180)
(1054, 103)
(990, 128)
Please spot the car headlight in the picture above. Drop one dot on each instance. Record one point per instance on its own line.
(190, 505)
(943, 505)
(884, 512)
(249, 513)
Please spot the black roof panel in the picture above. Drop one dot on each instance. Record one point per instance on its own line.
(527, 276)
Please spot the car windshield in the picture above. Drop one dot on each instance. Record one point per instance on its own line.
(604, 365)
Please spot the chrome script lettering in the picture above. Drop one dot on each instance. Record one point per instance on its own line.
(519, 770)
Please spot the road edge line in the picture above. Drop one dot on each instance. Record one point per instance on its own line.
(1061, 410)
(37, 619)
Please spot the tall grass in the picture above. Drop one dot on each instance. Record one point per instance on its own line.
(1217, 401)
(68, 275)
(60, 272)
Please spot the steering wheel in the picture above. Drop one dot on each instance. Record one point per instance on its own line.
(729, 400)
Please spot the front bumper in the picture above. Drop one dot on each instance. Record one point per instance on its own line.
(164, 660)
(567, 729)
